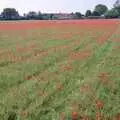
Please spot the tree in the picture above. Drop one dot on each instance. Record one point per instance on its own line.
(31, 15)
(46, 16)
(117, 4)
(88, 13)
(112, 13)
(78, 15)
(51, 16)
(118, 9)
(10, 14)
(39, 16)
(101, 9)
(95, 13)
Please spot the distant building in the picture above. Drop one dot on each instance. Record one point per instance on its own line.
(117, 3)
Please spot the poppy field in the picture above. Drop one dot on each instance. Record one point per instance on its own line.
(60, 70)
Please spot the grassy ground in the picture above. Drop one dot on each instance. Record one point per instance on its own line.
(60, 72)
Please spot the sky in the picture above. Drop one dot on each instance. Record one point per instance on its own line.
(53, 6)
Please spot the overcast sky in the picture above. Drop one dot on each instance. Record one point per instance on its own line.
(23, 6)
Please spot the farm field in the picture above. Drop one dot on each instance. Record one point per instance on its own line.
(60, 70)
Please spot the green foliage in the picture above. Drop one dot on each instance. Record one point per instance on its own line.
(78, 15)
(10, 13)
(12, 116)
(101, 9)
(112, 14)
(88, 13)
(32, 15)
(117, 4)
(47, 16)
(95, 13)
(118, 9)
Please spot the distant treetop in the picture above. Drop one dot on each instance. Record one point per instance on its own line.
(117, 3)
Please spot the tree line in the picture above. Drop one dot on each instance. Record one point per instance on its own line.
(100, 11)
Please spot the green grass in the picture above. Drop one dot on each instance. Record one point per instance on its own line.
(78, 88)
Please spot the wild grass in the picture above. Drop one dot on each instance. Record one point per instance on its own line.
(58, 73)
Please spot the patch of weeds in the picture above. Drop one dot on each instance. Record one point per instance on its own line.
(3, 64)
(12, 116)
